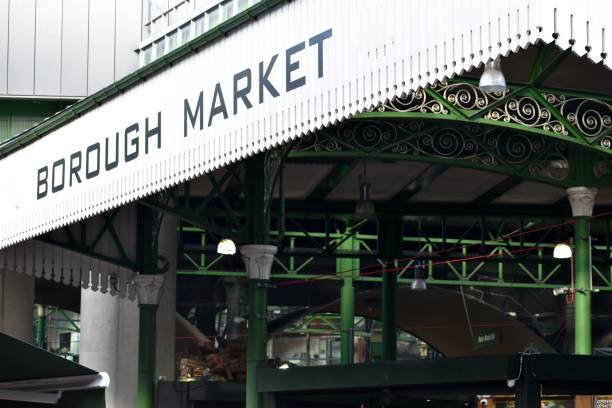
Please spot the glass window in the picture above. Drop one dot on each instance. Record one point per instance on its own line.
(147, 55)
(242, 5)
(198, 26)
(228, 9)
(185, 33)
(159, 47)
(172, 43)
(213, 17)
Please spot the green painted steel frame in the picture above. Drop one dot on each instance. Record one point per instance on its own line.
(408, 130)
(538, 270)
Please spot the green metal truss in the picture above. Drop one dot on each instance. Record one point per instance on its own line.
(527, 133)
(558, 137)
(491, 261)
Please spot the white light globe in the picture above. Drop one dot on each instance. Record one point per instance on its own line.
(226, 247)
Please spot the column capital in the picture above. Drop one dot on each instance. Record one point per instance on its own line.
(582, 200)
(148, 288)
(258, 260)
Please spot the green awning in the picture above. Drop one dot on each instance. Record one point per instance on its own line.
(28, 371)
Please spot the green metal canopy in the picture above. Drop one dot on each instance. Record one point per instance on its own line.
(28, 373)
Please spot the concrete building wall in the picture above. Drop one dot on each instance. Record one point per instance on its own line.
(66, 48)
(17, 305)
(110, 329)
(109, 342)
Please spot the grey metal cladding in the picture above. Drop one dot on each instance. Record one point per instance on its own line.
(101, 64)
(4, 27)
(21, 47)
(128, 35)
(66, 48)
(74, 47)
(48, 57)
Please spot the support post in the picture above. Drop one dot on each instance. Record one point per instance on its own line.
(149, 291)
(582, 262)
(347, 268)
(347, 321)
(41, 326)
(146, 356)
(527, 389)
(582, 200)
(148, 286)
(256, 345)
(389, 349)
(257, 235)
(390, 233)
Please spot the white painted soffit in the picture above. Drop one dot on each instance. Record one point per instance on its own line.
(376, 49)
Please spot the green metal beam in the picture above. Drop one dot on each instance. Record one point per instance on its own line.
(497, 190)
(419, 183)
(343, 378)
(331, 181)
(187, 215)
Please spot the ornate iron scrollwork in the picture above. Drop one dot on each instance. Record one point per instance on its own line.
(527, 112)
(591, 117)
(417, 101)
(317, 142)
(487, 147)
(467, 96)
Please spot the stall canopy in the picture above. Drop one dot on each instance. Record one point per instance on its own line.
(30, 376)
(245, 89)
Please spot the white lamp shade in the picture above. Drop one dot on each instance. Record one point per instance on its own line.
(418, 285)
(226, 247)
(492, 79)
(562, 251)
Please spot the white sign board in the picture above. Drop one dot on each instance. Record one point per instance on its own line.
(302, 66)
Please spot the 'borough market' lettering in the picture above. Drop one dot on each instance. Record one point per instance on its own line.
(139, 139)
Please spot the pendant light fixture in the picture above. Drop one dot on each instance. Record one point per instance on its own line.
(226, 247)
(419, 283)
(365, 207)
(562, 251)
(492, 79)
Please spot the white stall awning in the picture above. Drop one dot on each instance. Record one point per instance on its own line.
(302, 66)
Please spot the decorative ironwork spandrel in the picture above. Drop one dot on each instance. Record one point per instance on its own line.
(592, 117)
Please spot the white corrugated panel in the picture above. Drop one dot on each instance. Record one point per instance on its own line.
(378, 49)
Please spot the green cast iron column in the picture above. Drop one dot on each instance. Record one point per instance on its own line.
(390, 234)
(582, 265)
(147, 313)
(257, 339)
(389, 347)
(347, 268)
(257, 231)
(146, 356)
(41, 325)
(347, 321)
